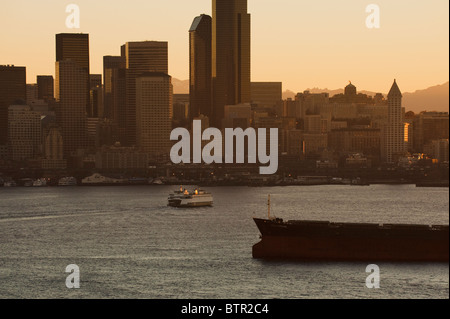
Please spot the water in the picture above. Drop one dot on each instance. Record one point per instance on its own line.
(129, 244)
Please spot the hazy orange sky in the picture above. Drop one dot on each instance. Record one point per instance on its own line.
(304, 44)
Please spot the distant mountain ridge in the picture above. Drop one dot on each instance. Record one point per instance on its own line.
(435, 98)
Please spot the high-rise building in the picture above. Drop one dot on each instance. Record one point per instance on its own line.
(154, 113)
(266, 94)
(200, 73)
(32, 93)
(13, 87)
(75, 47)
(428, 127)
(141, 57)
(24, 132)
(114, 89)
(53, 148)
(45, 85)
(230, 55)
(70, 93)
(393, 143)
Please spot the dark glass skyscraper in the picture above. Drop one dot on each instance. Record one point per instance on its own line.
(75, 47)
(200, 66)
(114, 89)
(12, 87)
(230, 55)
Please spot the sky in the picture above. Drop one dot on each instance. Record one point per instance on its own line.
(304, 44)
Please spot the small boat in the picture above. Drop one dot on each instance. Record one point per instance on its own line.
(101, 180)
(184, 198)
(41, 182)
(67, 181)
(10, 184)
(27, 182)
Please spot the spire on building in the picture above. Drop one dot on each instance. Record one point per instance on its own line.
(395, 91)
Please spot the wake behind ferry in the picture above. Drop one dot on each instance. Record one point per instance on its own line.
(184, 198)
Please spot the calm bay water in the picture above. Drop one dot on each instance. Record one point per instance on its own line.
(129, 244)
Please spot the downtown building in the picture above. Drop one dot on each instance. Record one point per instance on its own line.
(12, 88)
(393, 133)
(24, 133)
(200, 67)
(45, 87)
(231, 60)
(140, 58)
(75, 47)
(154, 114)
(70, 94)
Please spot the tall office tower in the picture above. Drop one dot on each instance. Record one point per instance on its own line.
(13, 86)
(75, 47)
(393, 132)
(24, 132)
(200, 76)
(70, 93)
(141, 57)
(45, 85)
(114, 89)
(154, 93)
(230, 55)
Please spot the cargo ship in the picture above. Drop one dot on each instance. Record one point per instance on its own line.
(329, 241)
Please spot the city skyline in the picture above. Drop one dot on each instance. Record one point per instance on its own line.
(312, 48)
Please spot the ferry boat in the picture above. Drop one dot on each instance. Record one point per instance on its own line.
(67, 181)
(184, 198)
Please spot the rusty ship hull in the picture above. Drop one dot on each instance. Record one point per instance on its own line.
(326, 241)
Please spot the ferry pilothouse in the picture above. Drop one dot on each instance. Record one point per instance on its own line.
(184, 198)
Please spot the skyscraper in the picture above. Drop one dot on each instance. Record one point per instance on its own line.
(75, 47)
(154, 113)
(140, 58)
(393, 132)
(46, 89)
(200, 76)
(12, 87)
(70, 93)
(114, 88)
(24, 132)
(230, 55)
